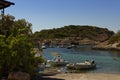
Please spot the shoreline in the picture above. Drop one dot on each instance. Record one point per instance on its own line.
(106, 48)
(84, 76)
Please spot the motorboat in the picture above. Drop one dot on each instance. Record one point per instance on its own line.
(58, 61)
(43, 47)
(81, 66)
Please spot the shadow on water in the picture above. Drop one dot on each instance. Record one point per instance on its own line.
(46, 78)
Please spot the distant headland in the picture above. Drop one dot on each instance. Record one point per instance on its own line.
(77, 34)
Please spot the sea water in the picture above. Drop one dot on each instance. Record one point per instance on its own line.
(106, 61)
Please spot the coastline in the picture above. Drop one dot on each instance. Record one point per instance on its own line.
(84, 76)
(107, 46)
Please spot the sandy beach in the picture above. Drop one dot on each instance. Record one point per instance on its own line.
(83, 76)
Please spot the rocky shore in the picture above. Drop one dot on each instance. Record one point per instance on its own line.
(107, 46)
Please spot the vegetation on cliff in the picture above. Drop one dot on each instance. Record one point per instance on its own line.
(115, 38)
(89, 32)
(112, 44)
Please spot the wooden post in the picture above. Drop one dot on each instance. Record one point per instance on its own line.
(3, 12)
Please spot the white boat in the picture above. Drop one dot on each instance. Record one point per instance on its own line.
(82, 66)
(58, 61)
(43, 47)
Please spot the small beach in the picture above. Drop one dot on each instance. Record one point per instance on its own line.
(84, 76)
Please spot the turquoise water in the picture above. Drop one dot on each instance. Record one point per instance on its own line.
(107, 61)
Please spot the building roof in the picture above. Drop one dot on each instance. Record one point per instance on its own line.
(5, 4)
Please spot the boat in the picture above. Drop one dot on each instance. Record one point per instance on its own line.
(43, 47)
(57, 61)
(69, 47)
(82, 66)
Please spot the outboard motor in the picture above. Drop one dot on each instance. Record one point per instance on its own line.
(92, 62)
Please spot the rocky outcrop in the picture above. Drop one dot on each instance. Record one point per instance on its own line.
(107, 46)
(19, 76)
(88, 41)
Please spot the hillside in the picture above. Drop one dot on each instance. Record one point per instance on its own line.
(81, 34)
(112, 44)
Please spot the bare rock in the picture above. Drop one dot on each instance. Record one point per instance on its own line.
(18, 76)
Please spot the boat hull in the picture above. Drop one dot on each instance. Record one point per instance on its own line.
(81, 66)
(58, 64)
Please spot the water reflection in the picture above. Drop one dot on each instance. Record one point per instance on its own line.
(115, 53)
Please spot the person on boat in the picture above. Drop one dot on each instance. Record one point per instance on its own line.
(92, 62)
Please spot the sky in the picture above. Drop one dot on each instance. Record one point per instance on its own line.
(48, 14)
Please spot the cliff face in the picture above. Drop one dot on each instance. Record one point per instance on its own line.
(106, 46)
(112, 44)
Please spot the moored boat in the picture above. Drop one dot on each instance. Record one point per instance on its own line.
(58, 61)
(69, 47)
(43, 47)
(82, 66)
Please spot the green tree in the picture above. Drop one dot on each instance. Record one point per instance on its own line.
(6, 24)
(21, 26)
(16, 47)
(20, 50)
(4, 56)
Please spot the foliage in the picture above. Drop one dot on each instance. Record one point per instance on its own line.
(22, 27)
(90, 32)
(4, 50)
(16, 46)
(39, 59)
(115, 38)
(9, 26)
(6, 23)
(20, 49)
